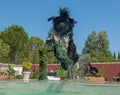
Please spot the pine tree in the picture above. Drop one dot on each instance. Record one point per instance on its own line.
(90, 43)
(98, 47)
(118, 56)
(114, 55)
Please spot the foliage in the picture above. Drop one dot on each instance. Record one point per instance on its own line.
(34, 74)
(18, 77)
(33, 46)
(11, 71)
(90, 43)
(61, 73)
(43, 56)
(62, 56)
(118, 56)
(2, 72)
(97, 46)
(81, 74)
(87, 58)
(4, 51)
(51, 57)
(100, 73)
(43, 60)
(27, 65)
(114, 56)
(16, 37)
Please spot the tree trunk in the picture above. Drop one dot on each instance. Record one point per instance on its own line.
(69, 72)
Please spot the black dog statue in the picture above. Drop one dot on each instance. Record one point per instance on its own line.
(62, 33)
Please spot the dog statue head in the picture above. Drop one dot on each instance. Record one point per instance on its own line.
(63, 24)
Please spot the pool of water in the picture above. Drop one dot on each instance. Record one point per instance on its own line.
(29, 88)
(56, 88)
(23, 92)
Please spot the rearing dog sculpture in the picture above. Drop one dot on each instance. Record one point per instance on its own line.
(62, 33)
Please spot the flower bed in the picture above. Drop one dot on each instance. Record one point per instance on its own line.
(98, 79)
(95, 79)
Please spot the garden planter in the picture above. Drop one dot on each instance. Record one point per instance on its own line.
(26, 70)
(26, 75)
(62, 77)
(98, 79)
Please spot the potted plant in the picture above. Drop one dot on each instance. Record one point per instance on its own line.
(62, 74)
(26, 70)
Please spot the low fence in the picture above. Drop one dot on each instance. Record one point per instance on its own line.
(49, 68)
(111, 69)
(18, 68)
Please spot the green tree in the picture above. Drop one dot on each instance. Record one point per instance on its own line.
(97, 46)
(118, 56)
(33, 46)
(51, 57)
(43, 60)
(103, 43)
(4, 51)
(103, 47)
(90, 43)
(16, 37)
(87, 58)
(114, 55)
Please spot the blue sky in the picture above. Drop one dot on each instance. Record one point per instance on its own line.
(91, 15)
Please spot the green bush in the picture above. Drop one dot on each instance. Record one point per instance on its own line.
(11, 71)
(100, 73)
(34, 75)
(61, 73)
(1, 72)
(27, 65)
